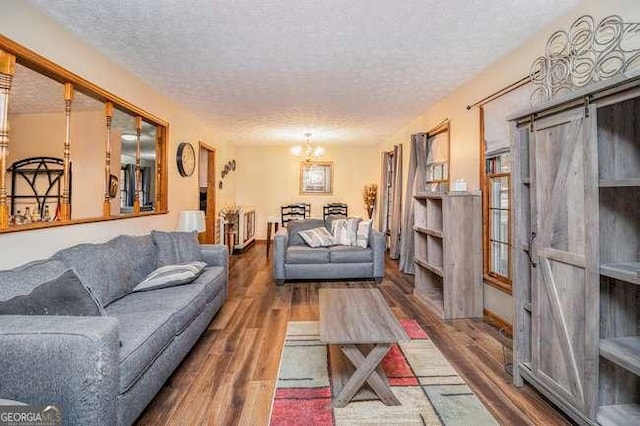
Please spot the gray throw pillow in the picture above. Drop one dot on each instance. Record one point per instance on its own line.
(317, 237)
(295, 226)
(63, 295)
(176, 247)
(171, 276)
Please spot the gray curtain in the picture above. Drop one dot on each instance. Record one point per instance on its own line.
(396, 204)
(383, 190)
(415, 183)
(130, 175)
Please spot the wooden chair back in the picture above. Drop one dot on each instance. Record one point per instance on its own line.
(294, 212)
(335, 209)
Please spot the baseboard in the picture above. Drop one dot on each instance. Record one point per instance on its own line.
(492, 318)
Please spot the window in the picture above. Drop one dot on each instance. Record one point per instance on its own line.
(497, 263)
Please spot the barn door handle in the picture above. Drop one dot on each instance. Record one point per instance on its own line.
(532, 237)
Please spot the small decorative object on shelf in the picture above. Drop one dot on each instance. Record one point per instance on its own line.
(369, 195)
(58, 215)
(460, 185)
(47, 214)
(27, 216)
(18, 219)
(35, 215)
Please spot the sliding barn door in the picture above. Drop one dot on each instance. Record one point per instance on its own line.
(565, 291)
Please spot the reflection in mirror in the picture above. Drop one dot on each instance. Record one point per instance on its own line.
(71, 151)
(37, 132)
(124, 153)
(37, 127)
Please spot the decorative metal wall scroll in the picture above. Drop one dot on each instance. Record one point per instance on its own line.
(585, 54)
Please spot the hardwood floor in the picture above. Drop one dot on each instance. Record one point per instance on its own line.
(229, 376)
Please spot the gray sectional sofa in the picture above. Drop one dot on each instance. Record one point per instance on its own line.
(294, 260)
(104, 370)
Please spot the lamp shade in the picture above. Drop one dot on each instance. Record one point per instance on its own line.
(191, 220)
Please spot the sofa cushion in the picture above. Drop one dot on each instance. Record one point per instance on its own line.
(294, 227)
(144, 335)
(305, 254)
(104, 268)
(23, 279)
(350, 254)
(140, 253)
(171, 276)
(176, 247)
(63, 295)
(184, 303)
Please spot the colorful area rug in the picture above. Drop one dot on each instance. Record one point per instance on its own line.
(430, 390)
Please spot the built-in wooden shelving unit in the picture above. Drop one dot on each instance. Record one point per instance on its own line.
(448, 253)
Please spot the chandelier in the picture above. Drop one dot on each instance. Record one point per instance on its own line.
(307, 151)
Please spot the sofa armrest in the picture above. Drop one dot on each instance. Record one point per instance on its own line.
(215, 255)
(70, 362)
(378, 244)
(280, 243)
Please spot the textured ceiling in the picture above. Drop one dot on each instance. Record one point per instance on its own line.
(265, 72)
(34, 93)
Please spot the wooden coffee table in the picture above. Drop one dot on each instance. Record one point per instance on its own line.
(360, 323)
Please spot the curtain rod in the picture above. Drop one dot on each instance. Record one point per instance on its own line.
(501, 92)
(437, 126)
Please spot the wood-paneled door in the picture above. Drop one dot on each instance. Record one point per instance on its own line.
(565, 295)
(209, 235)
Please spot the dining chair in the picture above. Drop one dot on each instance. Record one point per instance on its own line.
(335, 209)
(294, 212)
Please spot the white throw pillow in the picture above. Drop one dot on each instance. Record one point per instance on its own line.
(317, 237)
(345, 231)
(362, 237)
(171, 275)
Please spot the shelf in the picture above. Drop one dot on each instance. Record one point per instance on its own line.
(421, 230)
(426, 231)
(621, 414)
(615, 183)
(432, 268)
(428, 195)
(434, 298)
(629, 272)
(624, 351)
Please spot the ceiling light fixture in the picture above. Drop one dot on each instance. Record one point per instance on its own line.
(308, 151)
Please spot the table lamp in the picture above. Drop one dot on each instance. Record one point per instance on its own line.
(191, 220)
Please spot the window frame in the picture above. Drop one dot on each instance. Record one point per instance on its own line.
(501, 280)
(491, 278)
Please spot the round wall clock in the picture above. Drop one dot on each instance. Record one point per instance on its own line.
(186, 159)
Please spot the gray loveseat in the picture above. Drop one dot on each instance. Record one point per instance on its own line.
(294, 259)
(105, 370)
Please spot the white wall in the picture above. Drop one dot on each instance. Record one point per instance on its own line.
(465, 125)
(268, 177)
(20, 22)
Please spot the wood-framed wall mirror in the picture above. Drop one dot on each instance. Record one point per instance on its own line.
(71, 152)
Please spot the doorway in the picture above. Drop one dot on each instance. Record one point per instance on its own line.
(207, 192)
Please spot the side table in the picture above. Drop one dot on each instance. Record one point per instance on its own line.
(271, 220)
